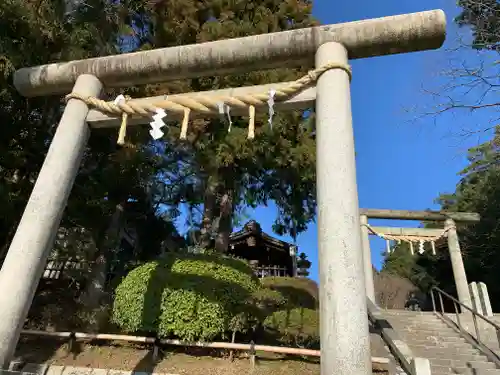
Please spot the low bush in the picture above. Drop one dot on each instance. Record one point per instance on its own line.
(190, 296)
(295, 321)
(295, 327)
(297, 291)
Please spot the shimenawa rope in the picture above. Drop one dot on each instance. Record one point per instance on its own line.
(204, 103)
(409, 238)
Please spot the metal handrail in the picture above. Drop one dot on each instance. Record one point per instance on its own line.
(478, 343)
(457, 302)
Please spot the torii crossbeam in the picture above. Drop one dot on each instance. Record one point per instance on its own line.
(345, 343)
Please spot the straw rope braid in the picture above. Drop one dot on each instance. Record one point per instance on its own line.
(204, 103)
(406, 238)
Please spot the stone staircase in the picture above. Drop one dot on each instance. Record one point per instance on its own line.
(428, 336)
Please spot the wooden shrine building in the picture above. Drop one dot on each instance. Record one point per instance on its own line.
(266, 254)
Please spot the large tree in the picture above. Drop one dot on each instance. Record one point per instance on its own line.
(233, 172)
(110, 179)
(35, 33)
(479, 191)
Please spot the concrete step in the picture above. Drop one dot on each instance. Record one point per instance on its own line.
(408, 312)
(446, 353)
(438, 343)
(426, 326)
(482, 364)
(463, 364)
(418, 327)
(435, 340)
(429, 336)
(421, 325)
(427, 330)
(422, 319)
(455, 360)
(469, 371)
(435, 322)
(463, 371)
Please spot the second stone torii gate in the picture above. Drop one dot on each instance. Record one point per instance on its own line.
(450, 232)
(345, 343)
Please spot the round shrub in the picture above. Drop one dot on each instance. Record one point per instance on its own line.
(189, 296)
(295, 327)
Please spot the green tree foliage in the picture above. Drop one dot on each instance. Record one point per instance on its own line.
(231, 171)
(303, 265)
(218, 170)
(479, 191)
(34, 33)
(422, 270)
(483, 16)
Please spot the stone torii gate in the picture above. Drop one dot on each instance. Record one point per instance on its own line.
(345, 343)
(449, 231)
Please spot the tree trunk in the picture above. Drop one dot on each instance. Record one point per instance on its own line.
(225, 223)
(97, 280)
(8, 240)
(209, 207)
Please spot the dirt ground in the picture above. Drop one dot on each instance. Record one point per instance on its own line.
(194, 361)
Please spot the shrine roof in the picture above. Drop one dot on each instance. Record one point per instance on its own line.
(253, 229)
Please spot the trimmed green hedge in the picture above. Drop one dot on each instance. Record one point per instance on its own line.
(295, 327)
(189, 296)
(296, 321)
(297, 291)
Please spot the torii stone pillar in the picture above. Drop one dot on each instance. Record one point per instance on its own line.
(342, 299)
(367, 259)
(457, 264)
(34, 238)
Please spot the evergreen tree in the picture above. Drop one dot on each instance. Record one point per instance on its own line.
(232, 171)
(483, 16)
(303, 265)
(34, 33)
(479, 191)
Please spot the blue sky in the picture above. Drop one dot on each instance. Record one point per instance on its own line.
(401, 164)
